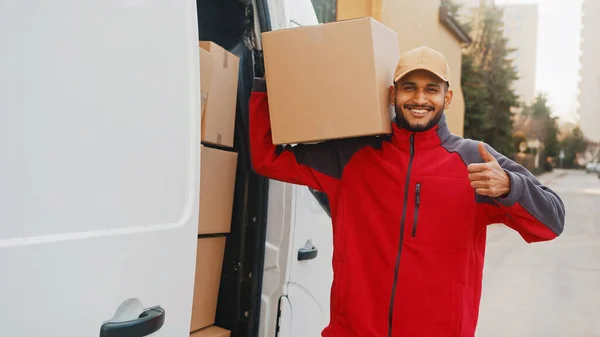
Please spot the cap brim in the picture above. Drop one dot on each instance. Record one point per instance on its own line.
(442, 77)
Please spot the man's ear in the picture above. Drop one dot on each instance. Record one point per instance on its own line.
(392, 95)
(449, 94)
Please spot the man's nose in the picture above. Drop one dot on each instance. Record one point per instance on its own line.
(420, 98)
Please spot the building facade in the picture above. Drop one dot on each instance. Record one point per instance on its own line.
(521, 31)
(589, 85)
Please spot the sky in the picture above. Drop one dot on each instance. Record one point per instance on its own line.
(559, 35)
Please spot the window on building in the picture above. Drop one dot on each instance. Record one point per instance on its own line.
(325, 10)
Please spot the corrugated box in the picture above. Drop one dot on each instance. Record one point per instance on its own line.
(330, 81)
(218, 120)
(206, 70)
(212, 331)
(217, 185)
(209, 262)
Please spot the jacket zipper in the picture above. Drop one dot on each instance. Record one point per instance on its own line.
(402, 221)
(417, 203)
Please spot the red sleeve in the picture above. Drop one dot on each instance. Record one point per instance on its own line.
(532, 209)
(318, 166)
(520, 220)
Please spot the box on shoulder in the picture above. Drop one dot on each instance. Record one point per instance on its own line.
(217, 185)
(218, 114)
(330, 81)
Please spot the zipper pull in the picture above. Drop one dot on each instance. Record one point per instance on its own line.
(418, 193)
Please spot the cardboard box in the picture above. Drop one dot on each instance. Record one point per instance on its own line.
(212, 331)
(218, 119)
(330, 81)
(206, 70)
(217, 184)
(209, 262)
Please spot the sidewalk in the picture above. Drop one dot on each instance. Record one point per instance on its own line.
(547, 178)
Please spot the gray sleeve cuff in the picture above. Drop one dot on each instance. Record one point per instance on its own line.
(516, 190)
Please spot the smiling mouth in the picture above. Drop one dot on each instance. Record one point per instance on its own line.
(418, 110)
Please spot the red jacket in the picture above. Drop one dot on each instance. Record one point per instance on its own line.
(409, 231)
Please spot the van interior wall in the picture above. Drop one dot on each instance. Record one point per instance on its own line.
(229, 23)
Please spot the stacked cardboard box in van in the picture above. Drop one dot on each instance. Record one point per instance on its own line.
(218, 164)
(220, 92)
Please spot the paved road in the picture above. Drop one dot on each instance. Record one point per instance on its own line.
(549, 289)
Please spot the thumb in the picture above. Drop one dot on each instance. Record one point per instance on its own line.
(487, 157)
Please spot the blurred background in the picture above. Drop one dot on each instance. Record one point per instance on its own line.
(524, 72)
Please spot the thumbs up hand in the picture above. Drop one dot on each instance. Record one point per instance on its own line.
(488, 178)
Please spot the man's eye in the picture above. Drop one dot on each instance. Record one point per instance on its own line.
(409, 88)
(432, 90)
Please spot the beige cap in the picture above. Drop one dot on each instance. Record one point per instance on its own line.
(423, 58)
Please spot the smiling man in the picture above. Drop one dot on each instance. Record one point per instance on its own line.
(421, 91)
(410, 210)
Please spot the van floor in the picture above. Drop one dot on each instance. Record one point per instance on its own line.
(229, 23)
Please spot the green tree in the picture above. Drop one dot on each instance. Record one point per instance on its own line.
(545, 125)
(487, 78)
(453, 8)
(540, 107)
(551, 144)
(476, 98)
(573, 144)
(325, 10)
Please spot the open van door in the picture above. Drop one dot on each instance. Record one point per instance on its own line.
(299, 241)
(99, 173)
(309, 275)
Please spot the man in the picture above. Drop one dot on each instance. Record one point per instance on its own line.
(409, 210)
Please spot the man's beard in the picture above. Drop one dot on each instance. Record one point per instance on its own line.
(403, 123)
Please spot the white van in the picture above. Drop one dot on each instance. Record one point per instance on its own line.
(99, 175)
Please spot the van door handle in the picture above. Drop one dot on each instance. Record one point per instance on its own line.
(150, 321)
(308, 252)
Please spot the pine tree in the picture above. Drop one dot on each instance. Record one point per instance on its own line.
(487, 78)
(545, 126)
(476, 98)
(573, 144)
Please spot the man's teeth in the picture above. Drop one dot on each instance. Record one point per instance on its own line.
(420, 111)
